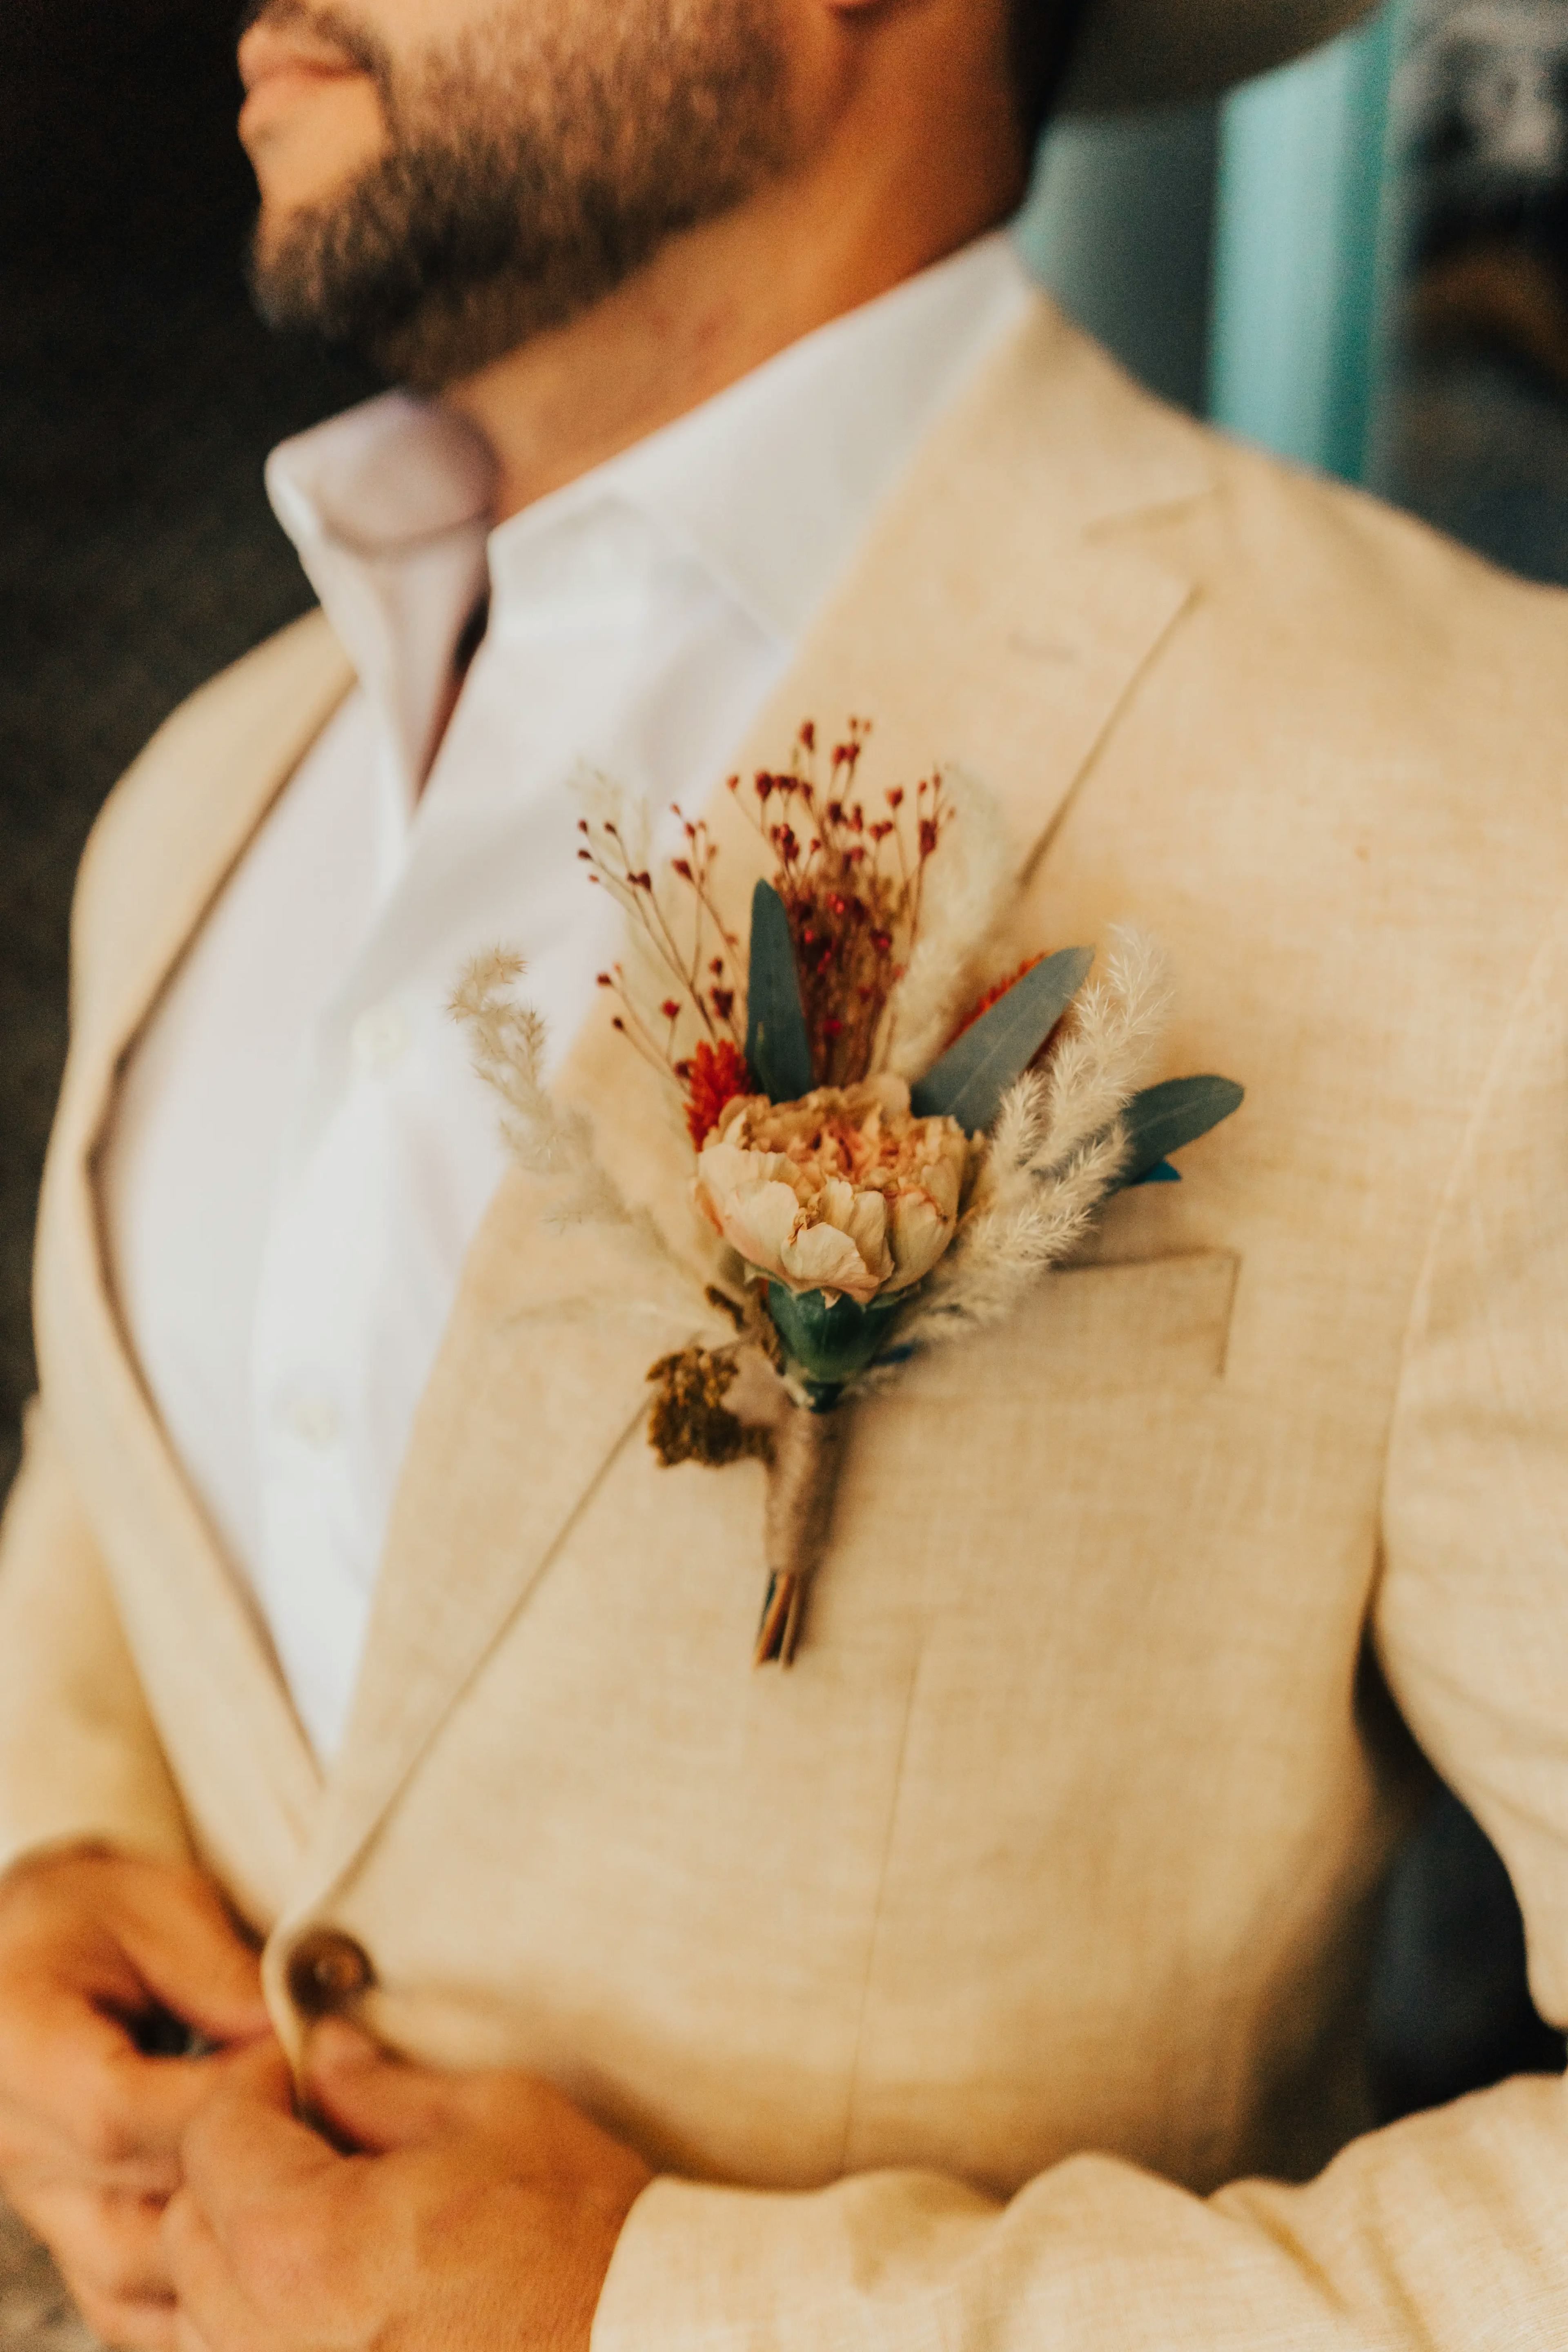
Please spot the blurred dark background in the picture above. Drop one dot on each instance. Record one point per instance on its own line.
(138, 399)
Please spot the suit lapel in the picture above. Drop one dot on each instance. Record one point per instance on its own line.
(220, 762)
(997, 619)
(207, 1664)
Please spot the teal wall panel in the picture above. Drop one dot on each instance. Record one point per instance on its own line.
(1304, 236)
(1120, 227)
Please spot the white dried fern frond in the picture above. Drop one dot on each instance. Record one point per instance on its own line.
(507, 1041)
(546, 1138)
(1107, 1049)
(1018, 1137)
(1025, 1224)
(968, 886)
(1057, 1148)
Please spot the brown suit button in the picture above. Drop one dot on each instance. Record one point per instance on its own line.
(327, 1972)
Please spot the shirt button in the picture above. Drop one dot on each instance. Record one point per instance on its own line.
(327, 1972)
(380, 1037)
(315, 1422)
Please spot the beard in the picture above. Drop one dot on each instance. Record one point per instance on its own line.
(533, 167)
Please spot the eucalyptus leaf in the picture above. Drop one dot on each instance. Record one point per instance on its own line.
(1162, 1174)
(831, 1344)
(994, 1053)
(777, 1047)
(1162, 1118)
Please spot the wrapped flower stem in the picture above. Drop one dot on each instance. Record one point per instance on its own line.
(801, 1482)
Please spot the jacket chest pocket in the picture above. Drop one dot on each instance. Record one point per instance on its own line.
(1033, 1452)
(1131, 1324)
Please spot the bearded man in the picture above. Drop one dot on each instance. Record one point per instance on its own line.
(422, 1928)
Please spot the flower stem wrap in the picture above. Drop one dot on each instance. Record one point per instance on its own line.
(801, 1482)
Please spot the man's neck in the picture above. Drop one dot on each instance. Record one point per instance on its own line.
(714, 304)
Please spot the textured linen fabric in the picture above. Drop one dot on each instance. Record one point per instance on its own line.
(992, 1979)
(301, 1153)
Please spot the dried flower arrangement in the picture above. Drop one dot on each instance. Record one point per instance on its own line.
(893, 1145)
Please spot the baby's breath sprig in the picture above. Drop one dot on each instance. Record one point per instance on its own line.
(700, 969)
(851, 887)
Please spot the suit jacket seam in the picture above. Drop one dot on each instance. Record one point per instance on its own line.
(1447, 1201)
(873, 1936)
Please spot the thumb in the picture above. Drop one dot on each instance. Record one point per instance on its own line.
(380, 2103)
(192, 1959)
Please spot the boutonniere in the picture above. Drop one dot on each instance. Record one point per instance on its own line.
(890, 1145)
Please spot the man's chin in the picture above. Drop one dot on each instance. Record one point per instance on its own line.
(424, 343)
(339, 274)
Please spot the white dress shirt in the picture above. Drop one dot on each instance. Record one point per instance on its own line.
(300, 1155)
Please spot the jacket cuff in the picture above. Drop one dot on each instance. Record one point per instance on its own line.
(859, 2267)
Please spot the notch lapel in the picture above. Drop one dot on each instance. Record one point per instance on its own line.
(218, 1698)
(994, 619)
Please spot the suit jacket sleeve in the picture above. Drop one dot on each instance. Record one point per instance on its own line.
(79, 1761)
(1447, 2233)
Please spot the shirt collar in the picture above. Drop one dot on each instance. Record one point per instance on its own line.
(387, 506)
(769, 487)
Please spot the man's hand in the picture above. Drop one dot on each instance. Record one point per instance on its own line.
(96, 1953)
(481, 2211)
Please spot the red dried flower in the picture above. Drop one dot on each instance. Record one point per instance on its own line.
(718, 1074)
(852, 890)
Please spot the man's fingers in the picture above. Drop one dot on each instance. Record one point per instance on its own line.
(130, 2327)
(247, 2147)
(195, 2259)
(89, 1946)
(192, 1957)
(110, 2249)
(126, 1935)
(83, 2077)
(213, 2308)
(387, 2103)
(34, 2150)
(377, 2102)
(108, 2244)
(383, 2105)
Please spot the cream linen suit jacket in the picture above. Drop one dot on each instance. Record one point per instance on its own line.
(985, 1983)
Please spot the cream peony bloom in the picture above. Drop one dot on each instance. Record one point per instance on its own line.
(843, 1191)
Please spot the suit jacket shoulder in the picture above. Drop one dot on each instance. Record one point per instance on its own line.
(1343, 655)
